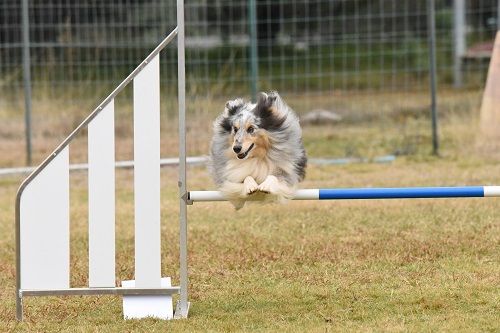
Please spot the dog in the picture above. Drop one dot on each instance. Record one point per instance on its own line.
(257, 151)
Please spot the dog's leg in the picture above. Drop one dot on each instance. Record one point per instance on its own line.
(233, 192)
(237, 192)
(276, 187)
(250, 185)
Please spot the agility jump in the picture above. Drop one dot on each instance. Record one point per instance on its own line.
(42, 204)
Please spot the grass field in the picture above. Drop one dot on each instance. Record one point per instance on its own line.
(398, 265)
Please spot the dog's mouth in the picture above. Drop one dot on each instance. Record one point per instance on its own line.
(243, 155)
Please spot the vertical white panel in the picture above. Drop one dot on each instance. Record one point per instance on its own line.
(45, 227)
(101, 150)
(147, 176)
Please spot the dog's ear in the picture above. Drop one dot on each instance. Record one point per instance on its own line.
(233, 106)
(268, 110)
(266, 104)
(223, 122)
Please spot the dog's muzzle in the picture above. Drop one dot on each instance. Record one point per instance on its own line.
(243, 155)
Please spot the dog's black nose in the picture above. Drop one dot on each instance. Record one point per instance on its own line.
(237, 149)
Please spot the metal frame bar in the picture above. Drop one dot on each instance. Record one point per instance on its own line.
(182, 308)
(100, 291)
(64, 144)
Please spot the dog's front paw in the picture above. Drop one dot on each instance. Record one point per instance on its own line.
(270, 185)
(250, 186)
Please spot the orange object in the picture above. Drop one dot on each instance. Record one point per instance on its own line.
(490, 106)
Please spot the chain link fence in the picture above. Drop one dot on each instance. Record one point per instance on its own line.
(317, 49)
(304, 46)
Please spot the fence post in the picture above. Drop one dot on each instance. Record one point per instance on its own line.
(431, 22)
(254, 61)
(458, 40)
(27, 78)
(498, 14)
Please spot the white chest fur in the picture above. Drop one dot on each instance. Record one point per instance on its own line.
(258, 169)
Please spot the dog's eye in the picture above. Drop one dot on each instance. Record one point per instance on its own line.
(235, 129)
(250, 130)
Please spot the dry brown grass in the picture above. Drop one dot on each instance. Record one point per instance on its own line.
(373, 124)
(397, 265)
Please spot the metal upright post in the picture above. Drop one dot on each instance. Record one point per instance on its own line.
(254, 61)
(431, 22)
(498, 15)
(182, 308)
(27, 78)
(458, 40)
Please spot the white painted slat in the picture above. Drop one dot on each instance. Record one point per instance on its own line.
(45, 227)
(101, 155)
(147, 176)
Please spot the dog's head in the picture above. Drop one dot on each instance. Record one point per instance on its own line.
(248, 125)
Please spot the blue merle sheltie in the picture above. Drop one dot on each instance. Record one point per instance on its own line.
(257, 151)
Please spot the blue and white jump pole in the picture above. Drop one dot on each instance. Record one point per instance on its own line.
(372, 193)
